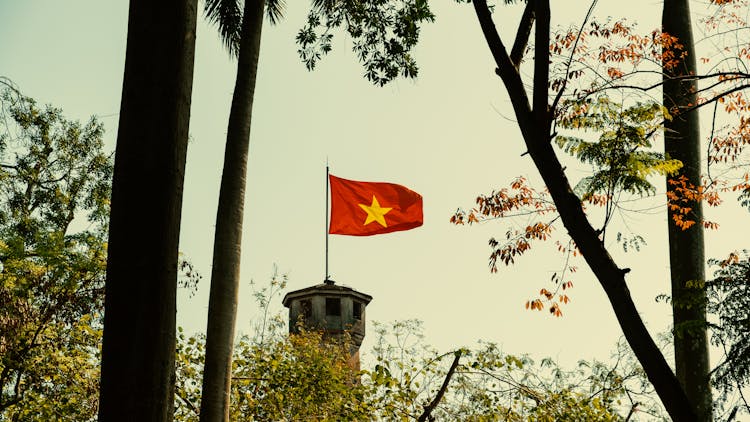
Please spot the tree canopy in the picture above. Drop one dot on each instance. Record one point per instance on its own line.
(54, 194)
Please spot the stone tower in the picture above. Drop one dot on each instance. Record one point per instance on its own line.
(332, 308)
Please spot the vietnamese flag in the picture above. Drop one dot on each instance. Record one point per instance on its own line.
(368, 208)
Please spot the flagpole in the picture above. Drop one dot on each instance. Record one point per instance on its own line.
(326, 279)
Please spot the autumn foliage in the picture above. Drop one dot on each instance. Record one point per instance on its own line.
(602, 77)
(521, 200)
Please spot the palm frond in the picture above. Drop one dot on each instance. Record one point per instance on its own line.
(227, 16)
(275, 10)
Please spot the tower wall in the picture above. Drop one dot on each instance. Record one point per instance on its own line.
(331, 308)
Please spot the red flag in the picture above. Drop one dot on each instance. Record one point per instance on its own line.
(367, 208)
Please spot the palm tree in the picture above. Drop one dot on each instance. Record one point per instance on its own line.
(138, 351)
(384, 59)
(686, 247)
(241, 32)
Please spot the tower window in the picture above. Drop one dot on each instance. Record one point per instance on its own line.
(357, 310)
(333, 306)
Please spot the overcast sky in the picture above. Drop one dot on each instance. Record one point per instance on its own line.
(448, 135)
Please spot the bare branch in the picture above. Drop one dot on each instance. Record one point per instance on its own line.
(570, 58)
(505, 69)
(188, 403)
(429, 408)
(541, 64)
(632, 411)
(522, 34)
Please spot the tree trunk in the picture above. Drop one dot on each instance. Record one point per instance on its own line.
(138, 352)
(225, 275)
(686, 253)
(535, 128)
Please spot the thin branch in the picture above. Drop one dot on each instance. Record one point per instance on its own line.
(572, 53)
(734, 76)
(733, 414)
(710, 144)
(188, 403)
(632, 411)
(717, 97)
(429, 408)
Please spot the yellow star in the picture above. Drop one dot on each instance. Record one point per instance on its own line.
(375, 212)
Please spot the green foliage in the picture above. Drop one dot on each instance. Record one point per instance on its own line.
(189, 362)
(227, 16)
(632, 242)
(744, 198)
(288, 377)
(728, 302)
(383, 32)
(490, 385)
(620, 157)
(407, 372)
(519, 389)
(275, 10)
(307, 376)
(61, 380)
(52, 171)
(269, 324)
(306, 366)
(276, 376)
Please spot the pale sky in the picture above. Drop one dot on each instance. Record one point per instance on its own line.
(448, 135)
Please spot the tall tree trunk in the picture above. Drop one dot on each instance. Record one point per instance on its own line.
(535, 127)
(225, 276)
(138, 352)
(686, 253)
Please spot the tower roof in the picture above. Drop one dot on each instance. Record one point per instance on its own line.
(325, 289)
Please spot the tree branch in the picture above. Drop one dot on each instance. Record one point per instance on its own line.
(429, 408)
(632, 411)
(188, 403)
(716, 98)
(493, 39)
(535, 129)
(541, 64)
(505, 69)
(570, 59)
(522, 34)
(733, 76)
